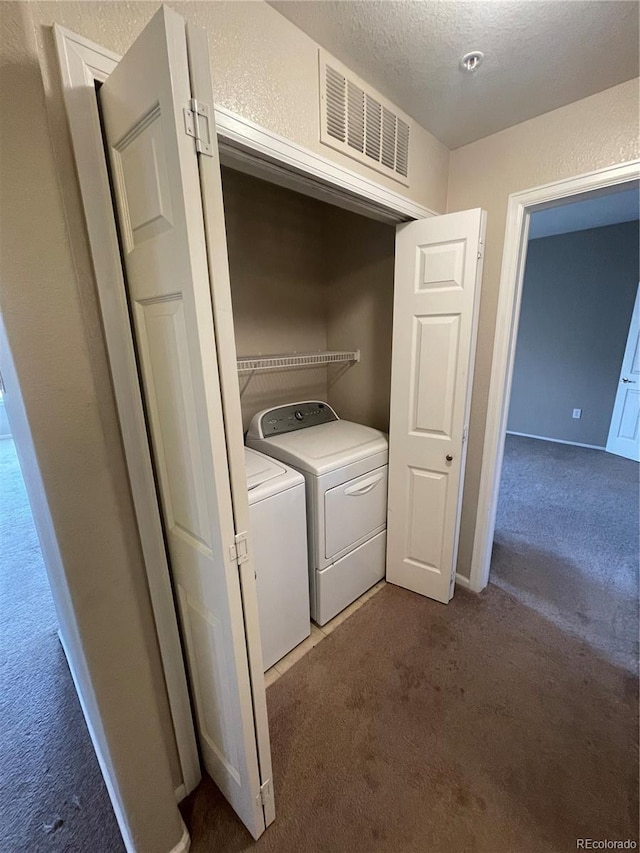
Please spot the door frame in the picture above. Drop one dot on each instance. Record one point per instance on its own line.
(82, 65)
(519, 209)
(245, 146)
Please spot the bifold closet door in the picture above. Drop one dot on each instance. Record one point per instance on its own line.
(155, 175)
(436, 299)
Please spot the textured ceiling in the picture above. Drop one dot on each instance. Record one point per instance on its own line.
(609, 209)
(539, 54)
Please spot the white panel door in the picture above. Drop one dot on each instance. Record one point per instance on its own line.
(624, 432)
(156, 183)
(437, 283)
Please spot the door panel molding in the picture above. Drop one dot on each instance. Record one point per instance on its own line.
(438, 271)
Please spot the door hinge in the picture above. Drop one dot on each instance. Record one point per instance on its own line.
(465, 433)
(239, 551)
(266, 793)
(480, 252)
(197, 123)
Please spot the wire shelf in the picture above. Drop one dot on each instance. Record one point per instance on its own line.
(255, 363)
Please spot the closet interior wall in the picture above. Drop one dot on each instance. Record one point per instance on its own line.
(360, 314)
(276, 265)
(308, 276)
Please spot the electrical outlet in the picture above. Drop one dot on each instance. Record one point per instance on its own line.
(577, 413)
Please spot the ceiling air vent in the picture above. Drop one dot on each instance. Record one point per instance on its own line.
(359, 122)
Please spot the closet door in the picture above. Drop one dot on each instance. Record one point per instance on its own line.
(437, 284)
(156, 183)
(216, 238)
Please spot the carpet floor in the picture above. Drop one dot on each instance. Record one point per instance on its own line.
(566, 541)
(499, 723)
(52, 794)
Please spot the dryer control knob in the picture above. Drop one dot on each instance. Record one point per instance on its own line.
(298, 415)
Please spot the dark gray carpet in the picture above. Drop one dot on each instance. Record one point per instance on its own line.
(503, 723)
(566, 541)
(52, 794)
(479, 727)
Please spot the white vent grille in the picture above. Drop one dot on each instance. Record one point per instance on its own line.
(355, 117)
(361, 123)
(336, 113)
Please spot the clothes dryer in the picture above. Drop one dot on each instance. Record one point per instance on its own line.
(345, 466)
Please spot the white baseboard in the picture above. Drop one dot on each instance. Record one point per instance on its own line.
(556, 440)
(462, 581)
(185, 842)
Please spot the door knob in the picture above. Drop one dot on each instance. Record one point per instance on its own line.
(628, 380)
(449, 457)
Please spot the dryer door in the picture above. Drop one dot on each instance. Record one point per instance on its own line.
(354, 511)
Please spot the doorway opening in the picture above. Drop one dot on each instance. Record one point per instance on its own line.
(53, 789)
(318, 279)
(566, 536)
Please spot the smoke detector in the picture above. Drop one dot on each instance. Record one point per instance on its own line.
(470, 62)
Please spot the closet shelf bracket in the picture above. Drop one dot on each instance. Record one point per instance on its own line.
(253, 364)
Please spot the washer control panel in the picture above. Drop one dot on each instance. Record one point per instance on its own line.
(295, 416)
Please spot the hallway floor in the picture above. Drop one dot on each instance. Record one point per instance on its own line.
(52, 792)
(503, 722)
(566, 542)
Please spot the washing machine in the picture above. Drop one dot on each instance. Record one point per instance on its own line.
(277, 513)
(345, 466)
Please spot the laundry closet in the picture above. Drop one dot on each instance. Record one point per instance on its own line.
(305, 277)
(309, 277)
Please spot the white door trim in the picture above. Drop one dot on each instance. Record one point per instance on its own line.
(250, 148)
(519, 209)
(82, 63)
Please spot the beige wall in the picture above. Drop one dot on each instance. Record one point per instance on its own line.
(308, 276)
(277, 269)
(262, 67)
(360, 315)
(54, 332)
(589, 134)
